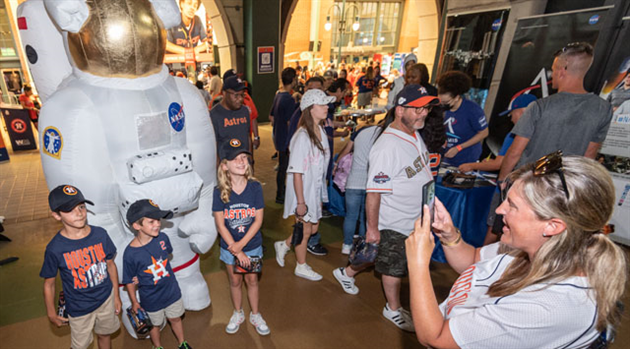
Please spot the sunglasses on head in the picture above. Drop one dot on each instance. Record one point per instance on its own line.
(550, 163)
(575, 47)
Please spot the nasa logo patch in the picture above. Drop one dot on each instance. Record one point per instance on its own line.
(70, 190)
(496, 25)
(593, 20)
(381, 178)
(52, 141)
(176, 116)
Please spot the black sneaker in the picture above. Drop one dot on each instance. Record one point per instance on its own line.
(274, 156)
(317, 250)
(280, 200)
(326, 213)
(184, 345)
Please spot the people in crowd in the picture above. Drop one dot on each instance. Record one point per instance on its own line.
(366, 85)
(434, 136)
(26, 100)
(160, 295)
(620, 93)
(248, 102)
(554, 280)
(204, 93)
(399, 82)
(306, 178)
(283, 106)
(238, 208)
(465, 121)
(229, 118)
(215, 86)
(424, 79)
(316, 82)
(398, 171)
(98, 294)
(572, 120)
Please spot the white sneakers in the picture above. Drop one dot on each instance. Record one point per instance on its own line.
(235, 322)
(238, 317)
(281, 251)
(260, 324)
(400, 317)
(346, 282)
(305, 271)
(345, 249)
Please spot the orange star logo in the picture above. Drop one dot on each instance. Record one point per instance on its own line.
(157, 269)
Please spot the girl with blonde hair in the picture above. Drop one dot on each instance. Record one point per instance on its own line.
(238, 208)
(553, 281)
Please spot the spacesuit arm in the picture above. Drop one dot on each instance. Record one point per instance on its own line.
(68, 14)
(168, 11)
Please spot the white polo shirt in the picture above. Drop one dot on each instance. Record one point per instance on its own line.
(398, 169)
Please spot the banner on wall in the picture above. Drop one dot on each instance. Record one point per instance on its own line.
(192, 40)
(19, 128)
(266, 59)
(528, 66)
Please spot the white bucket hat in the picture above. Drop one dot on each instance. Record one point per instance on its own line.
(312, 97)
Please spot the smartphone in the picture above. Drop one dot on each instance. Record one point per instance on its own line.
(428, 198)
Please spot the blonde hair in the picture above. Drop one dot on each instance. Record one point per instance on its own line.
(224, 179)
(581, 248)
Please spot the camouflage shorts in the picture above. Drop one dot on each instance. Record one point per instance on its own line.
(391, 259)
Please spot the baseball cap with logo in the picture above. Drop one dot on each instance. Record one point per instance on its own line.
(315, 96)
(65, 198)
(229, 73)
(233, 83)
(415, 96)
(146, 208)
(521, 101)
(230, 150)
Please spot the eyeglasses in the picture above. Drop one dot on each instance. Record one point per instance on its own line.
(576, 47)
(419, 110)
(551, 163)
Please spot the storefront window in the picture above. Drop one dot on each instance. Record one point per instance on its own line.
(7, 46)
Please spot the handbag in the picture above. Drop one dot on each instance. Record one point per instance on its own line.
(255, 265)
(363, 253)
(298, 233)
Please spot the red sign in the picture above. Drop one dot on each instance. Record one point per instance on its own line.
(18, 125)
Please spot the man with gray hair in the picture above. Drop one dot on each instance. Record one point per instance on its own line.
(572, 120)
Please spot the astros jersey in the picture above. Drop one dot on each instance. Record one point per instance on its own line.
(157, 286)
(398, 169)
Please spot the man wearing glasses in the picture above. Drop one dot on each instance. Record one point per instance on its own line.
(572, 120)
(229, 118)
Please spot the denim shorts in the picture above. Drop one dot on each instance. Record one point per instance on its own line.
(228, 258)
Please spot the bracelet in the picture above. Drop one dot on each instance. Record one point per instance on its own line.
(459, 148)
(453, 243)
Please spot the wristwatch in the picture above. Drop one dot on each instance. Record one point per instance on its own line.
(256, 138)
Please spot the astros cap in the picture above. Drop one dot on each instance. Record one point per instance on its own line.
(230, 150)
(415, 96)
(146, 208)
(65, 198)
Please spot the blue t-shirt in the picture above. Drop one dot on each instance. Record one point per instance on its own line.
(507, 142)
(82, 265)
(157, 285)
(239, 214)
(283, 107)
(365, 84)
(462, 125)
(293, 124)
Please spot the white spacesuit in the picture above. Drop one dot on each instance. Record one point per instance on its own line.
(120, 128)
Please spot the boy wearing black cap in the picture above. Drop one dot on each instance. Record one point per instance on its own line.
(84, 257)
(147, 259)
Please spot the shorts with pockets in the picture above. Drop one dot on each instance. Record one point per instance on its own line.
(173, 311)
(103, 321)
(391, 258)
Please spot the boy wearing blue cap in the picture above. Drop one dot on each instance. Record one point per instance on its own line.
(147, 259)
(83, 255)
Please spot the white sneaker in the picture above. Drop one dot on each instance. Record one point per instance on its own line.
(400, 317)
(281, 251)
(347, 282)
(345, 249)
(235, 322)
(305, 271)
(259, 323)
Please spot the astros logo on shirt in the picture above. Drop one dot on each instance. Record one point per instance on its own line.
(158, 269)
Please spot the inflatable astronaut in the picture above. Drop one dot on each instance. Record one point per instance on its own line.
(121, 128)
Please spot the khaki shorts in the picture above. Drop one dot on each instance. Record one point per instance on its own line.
(391, 258)
(173, 311)
(103, 321)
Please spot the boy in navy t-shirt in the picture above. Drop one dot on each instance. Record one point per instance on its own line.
(84, 257)
(147, 259)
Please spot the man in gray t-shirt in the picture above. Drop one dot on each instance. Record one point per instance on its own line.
(230, 118)
(571, 120)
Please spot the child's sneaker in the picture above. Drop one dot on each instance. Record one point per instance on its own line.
(281, 251)
(184, 345)
(345, 249)
(347, 282)
(259, 323)
(400, 318)
(235, 322)
(305, 271)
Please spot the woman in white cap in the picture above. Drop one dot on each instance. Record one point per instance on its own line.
(306, 178)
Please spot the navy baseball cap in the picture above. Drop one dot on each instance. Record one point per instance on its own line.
(415, 96)
(65, 198)
(229, 73)
(233, 83)
(146, 208)
(230, 150)
(521, 101)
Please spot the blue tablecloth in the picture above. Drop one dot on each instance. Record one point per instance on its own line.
(469, 210)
